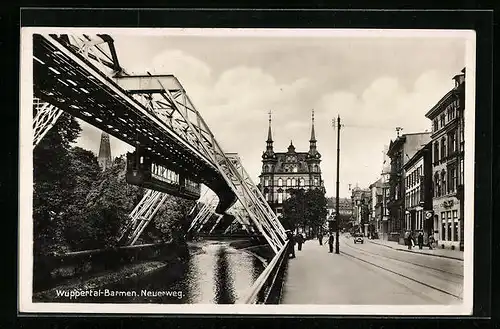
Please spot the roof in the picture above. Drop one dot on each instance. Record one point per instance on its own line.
(281, 162)
(417, 155)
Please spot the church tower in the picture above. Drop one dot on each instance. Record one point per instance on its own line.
(313, 158)
(268, 164)
(104, 157)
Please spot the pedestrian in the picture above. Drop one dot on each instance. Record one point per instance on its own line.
(291, 238)
(409, 240)
(300, 239)
(320, 238)
(330, 241)
(420, 240)
(431, 241)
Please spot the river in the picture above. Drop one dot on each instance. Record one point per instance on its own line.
(215, 273)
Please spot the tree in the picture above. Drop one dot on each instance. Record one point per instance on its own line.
(305, 209)
(316, 212)
(52, 183)
(108, 205)
(293, 209)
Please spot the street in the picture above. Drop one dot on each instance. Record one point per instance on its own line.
(367, 274)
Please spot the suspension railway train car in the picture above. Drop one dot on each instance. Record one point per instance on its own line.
(146, 171)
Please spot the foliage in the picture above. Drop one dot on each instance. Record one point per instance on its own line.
(76, 206)
(105, 209)
(170, 221)
(304, 208)
(52, 183)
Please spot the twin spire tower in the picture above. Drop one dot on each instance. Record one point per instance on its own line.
(282, 171)
(312, 141)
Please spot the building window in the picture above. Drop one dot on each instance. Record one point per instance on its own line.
(267, 196)
(316, 182)
(280, 182)
(280, 197)
(266, 182)
(288, 182)
(442, 120)
(443, 182)
(436, 151)
(436, 185)
(294, 169)
(435, 124)
(302, 182)
(293, 182)
(449, 223)
(443, 148)
(443, 225)
(452, 142)
(455, 225)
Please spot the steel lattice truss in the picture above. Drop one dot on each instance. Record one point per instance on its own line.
(142, 215)
(45, 116)
(171, 108)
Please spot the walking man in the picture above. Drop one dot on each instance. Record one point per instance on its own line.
(420, 240)
(320, 238)
(300, 239)
(330, 241)
(291, 238)
(410, 240)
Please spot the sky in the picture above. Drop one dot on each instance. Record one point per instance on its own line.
(374, 84)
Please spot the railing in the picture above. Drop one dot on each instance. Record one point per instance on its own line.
(267, 288)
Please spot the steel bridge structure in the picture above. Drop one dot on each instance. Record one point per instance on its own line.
(81, 75)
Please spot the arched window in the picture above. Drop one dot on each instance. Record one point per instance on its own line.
(269, 168)
(280, 182)
(288, 182)
(316, 182)
(280, 197)
(295, 169)
(302, 182)
(293, 182)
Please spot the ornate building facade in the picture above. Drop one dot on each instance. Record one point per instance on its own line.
(448, 140)
(283, 171)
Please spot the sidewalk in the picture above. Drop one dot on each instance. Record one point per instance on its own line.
(445, 253)
(318, 277)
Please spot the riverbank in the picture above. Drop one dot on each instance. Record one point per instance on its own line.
(163, 270)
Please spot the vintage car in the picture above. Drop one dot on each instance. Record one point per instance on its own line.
(358, 238)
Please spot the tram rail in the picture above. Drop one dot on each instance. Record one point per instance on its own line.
(400, 273)
(458, 275)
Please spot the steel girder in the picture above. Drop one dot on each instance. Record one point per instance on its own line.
(236, 178)
(198, 136)
(205, 212)
(142, 215)
(45, 117)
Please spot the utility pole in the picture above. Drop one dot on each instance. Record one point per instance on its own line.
(337, 211)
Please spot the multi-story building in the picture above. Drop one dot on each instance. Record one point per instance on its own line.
(284, 171)
(376, 209)
(418, 192)
(402, 149)
(382, 207)
(345, 208)
(447, 118)
(360, 199)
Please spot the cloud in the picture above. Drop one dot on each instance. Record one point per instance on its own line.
(375, 86)
(370, 119)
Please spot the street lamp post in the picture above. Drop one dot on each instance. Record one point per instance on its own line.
(337, 212)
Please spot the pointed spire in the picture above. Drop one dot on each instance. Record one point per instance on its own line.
(104, 157)
(269, 133)
(313, 135)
